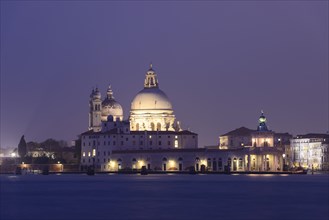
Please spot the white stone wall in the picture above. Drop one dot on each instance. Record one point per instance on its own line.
(308, 152)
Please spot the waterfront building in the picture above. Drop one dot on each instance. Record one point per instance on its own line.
(152, 137)
(310, 151)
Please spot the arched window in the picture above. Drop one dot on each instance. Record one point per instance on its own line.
(234, 164)
(158, 126)
(229, 161)
(152, 126)
(137, 127)
(240, 163)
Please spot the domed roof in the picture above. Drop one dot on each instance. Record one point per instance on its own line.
(151, 99)
(110, 106)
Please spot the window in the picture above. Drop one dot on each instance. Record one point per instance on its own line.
(104, 153)
(176, 143)
(121, 143)
(126, 139)
(150, 142)
(113, 143)
(141, 143)
(94, 152)
(159, 143)
(84, 154)
(240, 163)
(169, 143)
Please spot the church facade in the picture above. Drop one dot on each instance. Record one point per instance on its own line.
(152, 138)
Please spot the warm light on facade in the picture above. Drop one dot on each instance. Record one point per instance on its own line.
(89, 154)
(171, 162)
(112, 163)
(94, 152)
(176, 143)
(141, 163)
(84, 154)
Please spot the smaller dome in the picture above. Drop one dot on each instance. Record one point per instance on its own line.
(111, 107)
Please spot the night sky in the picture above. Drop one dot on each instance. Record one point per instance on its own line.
(219, 62)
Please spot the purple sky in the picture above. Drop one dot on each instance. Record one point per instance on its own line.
(220, 63)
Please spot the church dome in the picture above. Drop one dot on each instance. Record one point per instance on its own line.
(111, 107)
(151, 99)
(151, 109)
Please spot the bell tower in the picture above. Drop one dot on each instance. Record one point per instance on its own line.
(95, 110)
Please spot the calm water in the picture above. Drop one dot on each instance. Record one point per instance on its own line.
(164, 197)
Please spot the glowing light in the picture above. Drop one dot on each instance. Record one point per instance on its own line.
(141, 163)
(150, 136)
(94, 152)
(13, 154)
(58, 162)
(283, 155)
(176, 137)
(203, 162)
(89, 154)
(84, 154)
(176, 143)
(171, 162)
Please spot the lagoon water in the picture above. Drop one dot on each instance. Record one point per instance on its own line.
(103, 196)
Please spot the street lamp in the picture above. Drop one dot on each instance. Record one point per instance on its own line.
(284, 162)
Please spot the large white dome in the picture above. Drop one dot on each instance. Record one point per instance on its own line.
(151, 109)
(151, 99)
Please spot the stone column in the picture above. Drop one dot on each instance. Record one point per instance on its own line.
(249, 163)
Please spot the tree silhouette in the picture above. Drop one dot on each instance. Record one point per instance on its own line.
(22, 148)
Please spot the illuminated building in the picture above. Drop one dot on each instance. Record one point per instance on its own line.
(310, 151)
(261, 137)
(151, 137)
(151, 109)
